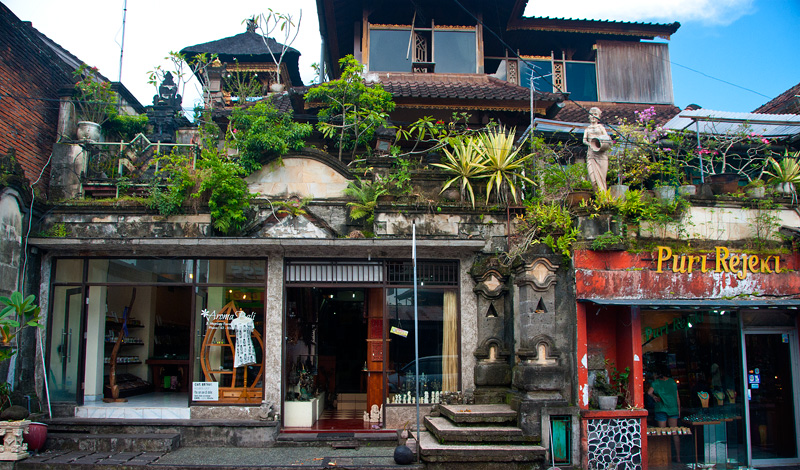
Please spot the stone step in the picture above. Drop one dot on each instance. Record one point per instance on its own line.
(450, 433)
(501, 456)
(152, 442)
(337, 439)
(479, 414)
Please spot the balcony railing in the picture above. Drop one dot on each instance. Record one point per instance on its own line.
(115, 167)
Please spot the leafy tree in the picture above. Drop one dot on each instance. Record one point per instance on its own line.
(229, 198)
(352, 110)
(261, 132)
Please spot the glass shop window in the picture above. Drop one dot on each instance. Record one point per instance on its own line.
(693, 387)
(425, 50)
(229, 350)
(438, 345)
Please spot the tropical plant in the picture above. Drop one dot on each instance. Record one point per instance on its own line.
(271, 23)
(466, 163)
(366, 194)
(261, 132)
(785, 171)
(503, 163)
(175, 180)
(124, 127)
(352, 111)
(19, 312)
(228, 195)
(93, 96)
(293, 207)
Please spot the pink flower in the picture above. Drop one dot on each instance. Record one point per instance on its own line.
(668, 149)
(765, 140)
(234, 131)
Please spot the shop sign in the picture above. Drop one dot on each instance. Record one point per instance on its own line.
(205, 391)
(680, 323)
(218, 321)
(726, 262)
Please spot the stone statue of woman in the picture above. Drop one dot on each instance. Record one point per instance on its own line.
(596, 137)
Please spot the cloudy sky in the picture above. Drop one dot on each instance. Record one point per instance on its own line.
(732, 55)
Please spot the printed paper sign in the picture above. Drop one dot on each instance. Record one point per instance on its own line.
(398, 331)
(205, 391)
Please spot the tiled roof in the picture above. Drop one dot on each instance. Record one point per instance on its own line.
(576, 25)
(613, 112)
(457, 86)
(787, 102)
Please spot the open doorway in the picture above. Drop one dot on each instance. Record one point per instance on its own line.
(332, 372)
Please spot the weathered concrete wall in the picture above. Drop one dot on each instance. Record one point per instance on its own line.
(724, 222)
(132, 222)
(273, 334)
(10, 240)
(469, 326)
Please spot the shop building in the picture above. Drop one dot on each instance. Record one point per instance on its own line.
(720, 322)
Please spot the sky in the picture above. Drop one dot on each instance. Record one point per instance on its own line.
(729, 55)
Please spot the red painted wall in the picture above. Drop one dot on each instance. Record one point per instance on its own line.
(630, 276)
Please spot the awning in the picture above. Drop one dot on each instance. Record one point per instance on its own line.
(705, 304)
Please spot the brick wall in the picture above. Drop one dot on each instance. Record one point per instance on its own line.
(30, 77)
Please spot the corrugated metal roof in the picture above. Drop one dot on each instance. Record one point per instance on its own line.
(724, 122)
(699, 303)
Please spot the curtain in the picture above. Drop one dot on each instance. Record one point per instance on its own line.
(450, 344)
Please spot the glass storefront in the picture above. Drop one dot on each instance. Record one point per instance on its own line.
(694, 387)
(141, 318)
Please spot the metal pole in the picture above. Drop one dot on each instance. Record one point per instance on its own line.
(122, 43)
(416, 325)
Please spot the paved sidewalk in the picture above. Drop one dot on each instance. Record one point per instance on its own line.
(222, 458)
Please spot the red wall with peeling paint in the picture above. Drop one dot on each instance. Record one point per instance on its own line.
(624, 275)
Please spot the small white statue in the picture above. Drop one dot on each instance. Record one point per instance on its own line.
(596, 137)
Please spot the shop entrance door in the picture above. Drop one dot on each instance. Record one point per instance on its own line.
(771, 371)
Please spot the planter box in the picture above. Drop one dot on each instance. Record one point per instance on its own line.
(302, 414)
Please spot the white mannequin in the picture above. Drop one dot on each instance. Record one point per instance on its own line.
(244, 353)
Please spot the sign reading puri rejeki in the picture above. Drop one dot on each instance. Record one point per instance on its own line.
(725, 262)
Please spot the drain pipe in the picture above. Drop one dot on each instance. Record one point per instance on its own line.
(416, 327)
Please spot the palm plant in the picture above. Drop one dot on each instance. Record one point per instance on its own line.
(366, 194)
(502, 162)
(466, 163)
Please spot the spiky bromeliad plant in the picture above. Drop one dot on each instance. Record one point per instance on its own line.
(503, 162)
(466, 162)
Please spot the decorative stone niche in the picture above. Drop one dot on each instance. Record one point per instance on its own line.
(493, 352)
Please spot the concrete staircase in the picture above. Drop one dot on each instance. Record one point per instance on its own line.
(484, 437)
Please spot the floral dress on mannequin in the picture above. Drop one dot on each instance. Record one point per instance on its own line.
(244, 353)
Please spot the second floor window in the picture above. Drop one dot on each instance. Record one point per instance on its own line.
(428, 50)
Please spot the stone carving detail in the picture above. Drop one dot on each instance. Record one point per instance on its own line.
(596, 137)
(537, 310)
(615, 443)
(166, 115)
(494, 350)
(13, 447)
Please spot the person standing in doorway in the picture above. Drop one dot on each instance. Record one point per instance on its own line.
(664, 392)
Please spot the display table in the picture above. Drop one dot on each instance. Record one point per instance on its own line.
(659, 445)
(302, 414)
(715, 439)
(158, 366)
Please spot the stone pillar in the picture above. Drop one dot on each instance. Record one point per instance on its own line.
(541, 374)
(68, 161)
(493, 370)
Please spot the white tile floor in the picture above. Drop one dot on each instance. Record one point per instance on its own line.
(148, 406)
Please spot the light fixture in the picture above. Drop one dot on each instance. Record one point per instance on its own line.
(690, 324)
(230, 291)
(244, 296)
(722, 312)
(191, 275)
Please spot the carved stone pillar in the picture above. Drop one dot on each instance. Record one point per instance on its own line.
(492, 370)
(540, 376)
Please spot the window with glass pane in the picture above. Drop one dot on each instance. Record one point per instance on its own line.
(229, 348)
(140, 270)
(69, 270)
(231, 271)
(581, 81)
(542, 74)
(388, 50)
(698, 353)
(454, 51)
(438, 344)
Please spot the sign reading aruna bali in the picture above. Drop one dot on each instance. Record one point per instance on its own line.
(727, 262)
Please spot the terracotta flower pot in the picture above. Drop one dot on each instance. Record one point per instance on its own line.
(36, 436)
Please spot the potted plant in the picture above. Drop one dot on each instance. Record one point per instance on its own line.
(785, 174)
(604, 392)
(270, 23)
(756, 188)
(18, 312)
(93, 99)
